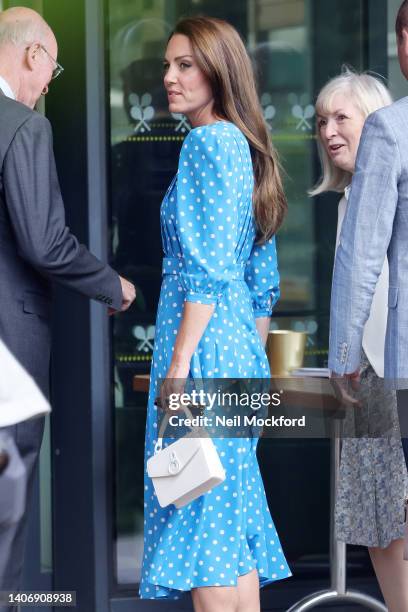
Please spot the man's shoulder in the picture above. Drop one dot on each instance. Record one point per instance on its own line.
(15, 119)
(395, 115)
(13, 115)
(13, 112)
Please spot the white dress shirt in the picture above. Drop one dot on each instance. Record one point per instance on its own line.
(376, 326)
(6, 89)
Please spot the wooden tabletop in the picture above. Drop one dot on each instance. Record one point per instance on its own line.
(141, 382)
(296, 392)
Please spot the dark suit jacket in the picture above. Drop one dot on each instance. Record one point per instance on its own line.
(36, 247)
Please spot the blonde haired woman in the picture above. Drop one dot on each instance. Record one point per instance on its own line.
(220, 283)
(373, 473)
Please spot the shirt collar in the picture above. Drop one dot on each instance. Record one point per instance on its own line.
(6, 89)
(347, 192)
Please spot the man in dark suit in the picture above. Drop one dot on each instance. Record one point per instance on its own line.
(36, 247)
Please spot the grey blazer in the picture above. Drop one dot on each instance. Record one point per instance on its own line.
(36, 246)
(376, 222)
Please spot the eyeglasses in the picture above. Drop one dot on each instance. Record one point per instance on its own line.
(58, 68)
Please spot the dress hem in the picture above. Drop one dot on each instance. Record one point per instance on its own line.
(177, 593)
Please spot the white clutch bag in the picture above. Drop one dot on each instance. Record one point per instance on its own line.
(185, 469)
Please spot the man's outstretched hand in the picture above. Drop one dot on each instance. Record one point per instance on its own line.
(128, 295)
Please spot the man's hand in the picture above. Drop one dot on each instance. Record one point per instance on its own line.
(342, 384)
(354, 379)
(128, 295)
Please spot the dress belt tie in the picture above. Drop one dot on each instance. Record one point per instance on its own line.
(174, 266)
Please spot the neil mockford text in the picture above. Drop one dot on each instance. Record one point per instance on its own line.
(236, 421)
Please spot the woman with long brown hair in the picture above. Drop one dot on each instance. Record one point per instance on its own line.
(220, 283)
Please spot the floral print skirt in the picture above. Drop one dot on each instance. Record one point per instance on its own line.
(373, 473)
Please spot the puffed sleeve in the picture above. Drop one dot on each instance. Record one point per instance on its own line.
(207, 213)
(262, 278)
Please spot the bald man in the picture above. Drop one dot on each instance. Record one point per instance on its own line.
(36, 247)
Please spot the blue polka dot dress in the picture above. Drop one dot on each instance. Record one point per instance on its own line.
(208, 238)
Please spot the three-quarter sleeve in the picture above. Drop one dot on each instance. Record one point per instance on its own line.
(262, 278)
(208, 181)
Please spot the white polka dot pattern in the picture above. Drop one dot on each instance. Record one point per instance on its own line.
(208, 237)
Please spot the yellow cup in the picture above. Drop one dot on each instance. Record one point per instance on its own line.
(285, 349)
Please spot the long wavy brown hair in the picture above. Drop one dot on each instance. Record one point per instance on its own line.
(224, 61)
